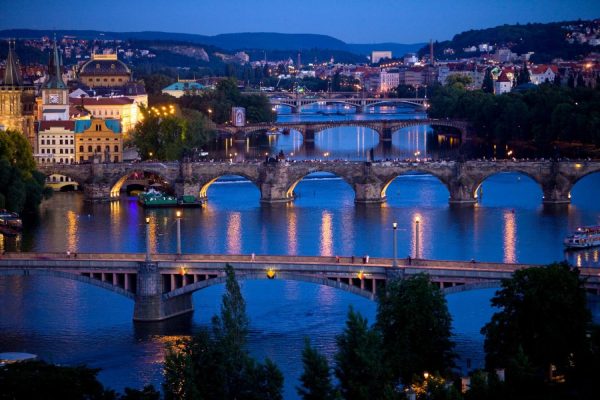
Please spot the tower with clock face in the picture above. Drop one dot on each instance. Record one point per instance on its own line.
(55, 95)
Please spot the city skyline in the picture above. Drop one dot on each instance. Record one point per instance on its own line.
(356, 21)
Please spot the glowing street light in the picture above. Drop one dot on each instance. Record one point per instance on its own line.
(395, 226)
(148, 259)
(417, 223)
(178, 216)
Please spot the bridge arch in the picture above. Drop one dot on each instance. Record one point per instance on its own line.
(67, 275)
(393, 101)
(295, 180)
(583, 176)
(203, 194)
(477, 187)
(422, 171)
(241, 275)
(117, 183)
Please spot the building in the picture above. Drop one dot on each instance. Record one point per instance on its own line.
(55, 94)
(377, 56)
(414, 77)
(100, 138)
(542, 73)
(17, 100)
(183, 87)
(104, 70)
(124, 109)
(503, 84)
(56, 142)
(389, 80)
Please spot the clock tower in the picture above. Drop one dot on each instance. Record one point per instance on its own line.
(55, 95)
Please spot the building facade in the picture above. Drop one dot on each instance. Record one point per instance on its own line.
(56, 142)
(389, 80)
(17, 100)
(124, 109)
(104, 70)
(55, 94)
(100, 138)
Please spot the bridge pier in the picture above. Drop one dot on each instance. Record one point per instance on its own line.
(98, 191)
(150, 304)
(386, 134)
(555, 197)
(309, 135)
(368, 193)
(274, 184)
(461, 195)
(188, 188)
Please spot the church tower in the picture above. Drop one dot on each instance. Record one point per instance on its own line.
(17, 99)
(55, 95)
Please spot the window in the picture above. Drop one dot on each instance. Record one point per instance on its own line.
(80, 158)
(43, 141)
(90, 149)
(98, 148)
(71, 151)
(71, 141)
(116, 158)
(60, 142)
(116, 148)
(53, 151)
(43, 151)
(61, 151)
(53, 141)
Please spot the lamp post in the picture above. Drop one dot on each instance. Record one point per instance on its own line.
(178, 215)
(417, 223)
(148, 239)
(395, 226)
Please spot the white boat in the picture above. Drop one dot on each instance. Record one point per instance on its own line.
(583, 237)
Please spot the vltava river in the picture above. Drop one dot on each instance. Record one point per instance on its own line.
(70, 323)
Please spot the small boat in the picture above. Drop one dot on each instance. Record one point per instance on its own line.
(154, 198)
(583, 237)
(10, 223)
(188, 201)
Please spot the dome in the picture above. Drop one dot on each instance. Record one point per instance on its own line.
(104, 64)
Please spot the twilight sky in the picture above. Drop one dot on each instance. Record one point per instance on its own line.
(353, 21)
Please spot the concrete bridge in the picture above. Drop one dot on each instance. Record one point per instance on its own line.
(357, 101)
(276, 181)
(162, 288)
(384, 128)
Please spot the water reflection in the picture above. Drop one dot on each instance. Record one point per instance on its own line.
(510, 237)
(292, 232)
(234, 233)
(326, 243)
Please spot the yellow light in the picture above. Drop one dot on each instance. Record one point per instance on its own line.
(271, 273)
(178, 214)
(361, 275)
(578, 165)
(426, 375)
(147, 220)
(182, 271)
(417, 220)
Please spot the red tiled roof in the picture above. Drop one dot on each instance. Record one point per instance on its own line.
(102, 101)
(45, 125)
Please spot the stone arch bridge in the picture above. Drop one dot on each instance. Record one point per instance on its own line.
(276, 181)
(162, 288)
(359, 103)
(384, 128)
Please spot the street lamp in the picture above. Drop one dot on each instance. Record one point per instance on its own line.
(148, 239)
(417, 237)
(178, 215)
(395, 226)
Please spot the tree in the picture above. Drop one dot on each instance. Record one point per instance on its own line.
(316, 377)
(458, 81)
(488, 82)
(543, 317)
(358, 361)
(415, 327)
(523, 76)
(21, 185)
(214, 364)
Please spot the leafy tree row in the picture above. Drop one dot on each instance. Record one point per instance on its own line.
(21, 185)
(540, 117)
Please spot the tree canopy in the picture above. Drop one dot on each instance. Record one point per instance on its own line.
(214, 364)
(21, 185)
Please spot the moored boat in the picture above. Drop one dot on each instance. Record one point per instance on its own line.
(154, 198)
(10, 223)
(583, 237)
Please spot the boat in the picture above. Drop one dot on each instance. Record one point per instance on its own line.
(154, 198)
(10, 223)
(583, 237)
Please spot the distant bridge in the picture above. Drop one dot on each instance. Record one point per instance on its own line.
(162, 287)
(277, 181)
(355, 100)
(384, 128)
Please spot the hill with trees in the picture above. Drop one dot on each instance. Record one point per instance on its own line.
(547, 41)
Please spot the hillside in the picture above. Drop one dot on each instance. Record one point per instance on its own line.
(547, 41)
(229, 41)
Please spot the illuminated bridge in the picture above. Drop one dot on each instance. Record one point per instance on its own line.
(369, 181)
(162, 288)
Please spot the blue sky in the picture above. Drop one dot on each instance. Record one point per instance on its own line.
(354, 21)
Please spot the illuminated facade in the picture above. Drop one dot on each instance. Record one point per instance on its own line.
(55, 95)
(17, 100)
(104, 70)
(100, 138)
(56, 142)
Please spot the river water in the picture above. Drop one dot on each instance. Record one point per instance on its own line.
(70, 323)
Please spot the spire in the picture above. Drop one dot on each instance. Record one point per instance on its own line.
(12, 74)
(55, 70)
